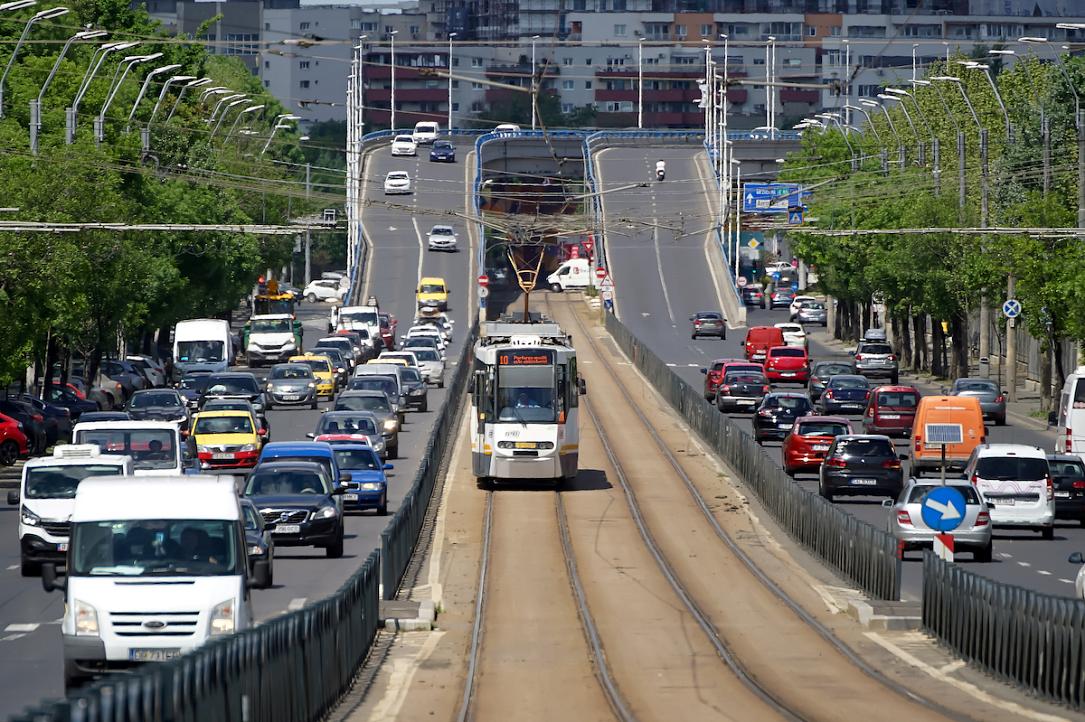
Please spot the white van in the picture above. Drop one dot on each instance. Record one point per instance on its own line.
(1015, 480)
(572, 274)
(155, 447)
(154, 570)
(46, 496)
(201, 344)
(351, 318)
(425, 132)
(271, 339)
(1070, 416)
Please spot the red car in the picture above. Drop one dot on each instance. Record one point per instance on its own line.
(714, 374)
(787, 364)
(891, 410)
(13, 442)
(804, 448)
(388, 324)
(759, 339)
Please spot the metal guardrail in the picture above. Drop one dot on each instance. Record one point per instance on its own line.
(1020, 636)
(401, 533)
(726, 249)
(294, 667)
(863, 554)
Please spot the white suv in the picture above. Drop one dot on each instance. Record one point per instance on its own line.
(1016, 481)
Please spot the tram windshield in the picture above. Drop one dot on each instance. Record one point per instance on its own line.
(526, 394)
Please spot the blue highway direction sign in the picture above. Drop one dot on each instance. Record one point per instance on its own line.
(770, 197)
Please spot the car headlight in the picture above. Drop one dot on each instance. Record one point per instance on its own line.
(29, 518)
(289, 346)
(203, 449)
(312, 384)
(417, 392)
(247, 447)
(270, 388)
(222, 618)
(86, 619)
(371, 486)
(255, 551)
(390, 424)
(326, 512)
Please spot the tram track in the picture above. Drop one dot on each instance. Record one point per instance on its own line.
(766, 683)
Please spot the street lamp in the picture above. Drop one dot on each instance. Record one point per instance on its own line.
(217, 90)
(534, 109)
(889, 118)
(896, 94)
(35, 105)
(225, 112)
(998, 96)
(964, 94)
(229, 97)
(450, 37)
(870, 125)
(1062, 68)
(280, 123)
(72, 113)
(147, 84)
(166, 86)
(43, 15)
(250, 109)
(128, 63)
(770, 55)
(392, 120)
(640, 82)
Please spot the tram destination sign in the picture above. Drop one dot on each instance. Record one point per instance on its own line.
(527, 357)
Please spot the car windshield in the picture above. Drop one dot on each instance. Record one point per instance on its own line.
(876, 348)
(1011, 468)
(848, 382)
(359, 317)
(200, 351)
(984, 386)
(708, 316)
(411, 374)
(194, 383)
(827, 370)
(427, 354)
(223, 425)
(149, 448)
(812, 306)
(1067, 469)
(60, 482)
(791, 352)
(898, 399)
(358, 459)
(442, 144)
(788, 402)
(404, 139)
(272, 325)
(232, 385)
(156, 547)
(294, 371)
(227, 405)
(919, 493)
(373, 383)
(332, 353)
(362, 403)
(397, 176)
(744, 377)
(143, 400)
(317, 364)
(431, 288)
(823, 428)
(865, 448)
(285, 482)
(441, 231)
(334, 423)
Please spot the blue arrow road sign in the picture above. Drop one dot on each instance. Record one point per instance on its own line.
(1011, 308)
(943, 508)
(770, 197)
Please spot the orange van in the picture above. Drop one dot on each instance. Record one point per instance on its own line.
(959, 418)
(759, 339)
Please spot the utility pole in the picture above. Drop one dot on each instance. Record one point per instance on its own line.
(1011, 344)
(1080, 189)
(985, 311)
(1045, 136)
(885, 160)
(936, 161)
(960, 173)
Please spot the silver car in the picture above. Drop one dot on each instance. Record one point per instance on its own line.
(345, 424)
(812, 312)
(291, 385)
(992, 400)
(431, 366)
(907, 526)
(376, 402)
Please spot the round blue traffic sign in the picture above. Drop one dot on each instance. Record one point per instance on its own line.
(776, 275)
(1011, 308)
(943, 508)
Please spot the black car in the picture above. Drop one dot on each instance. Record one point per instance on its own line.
(861, 465)
(301, 501)
(58, 420)
(234, 385)
(1068, 477)
(158, 405)
(845, 394)
(777, 413)
(415, 389)
(32, 421)
(753, 296)
(258, 540)
(191, 387)
(708, 323)
(741, 390)
(62, 396)
(388, 384)
(442, 152)
(821, 372)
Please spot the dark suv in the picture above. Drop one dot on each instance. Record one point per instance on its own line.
(708, 323)
(861, 465)
(301, 501)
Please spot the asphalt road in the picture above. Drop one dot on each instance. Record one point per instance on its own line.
(30, 644)
(660, 283)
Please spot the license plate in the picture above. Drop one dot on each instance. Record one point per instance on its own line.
(1062, 495)
(223, 455)
(864, 482)
(852, 406)
(291, 397)
(350, 497)
(287, 529)
(744, 402)
(820, 447)
(524, 445)
(784, 426)
(153, 655)
(787, 374)
(1006, 502)
(888, 417)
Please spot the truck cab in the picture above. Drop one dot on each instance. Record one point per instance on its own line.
(172, 545)
(570, 275)
(46, 497)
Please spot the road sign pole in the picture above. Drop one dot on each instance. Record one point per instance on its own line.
(1011, 344)
(943, 464)
(943, 546)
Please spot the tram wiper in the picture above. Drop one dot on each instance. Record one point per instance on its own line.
(519, 416)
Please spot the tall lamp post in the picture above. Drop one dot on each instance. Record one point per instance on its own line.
(907, 116)
(392, 120)
(282, 122)
(231, 97)
(226, 111)
(128, 63)
(35, 105)
(43, 15)
(246, 111)
(1058, 61)
(146, 84)
(640, 83)
(190, 81)
(892, 127)
(451, 37)
(72, 113)
(534, 94)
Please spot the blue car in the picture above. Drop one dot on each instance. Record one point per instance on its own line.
(443, 152)
(368, 485)
(317, 451)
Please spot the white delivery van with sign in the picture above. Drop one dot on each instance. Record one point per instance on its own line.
(572, 274)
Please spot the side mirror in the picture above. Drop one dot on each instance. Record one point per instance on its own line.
(345, 477)
(704, 371)
(582, 387)
(990, 505)
(389, 467)
(52, 582)
(13, 497)
(1003, 392)
(261, 575)
(887, 503)
(187, 454)
(1075, 558)
(310, 435)
(261, 431)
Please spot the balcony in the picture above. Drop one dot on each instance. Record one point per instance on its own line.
(799, 95)
(604, 95)
(737, 96)
(407, 95)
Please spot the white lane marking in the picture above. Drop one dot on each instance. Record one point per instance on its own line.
(1045, 573)
(418, 234)
(952, 666)
(438, 543)
(296, 604)
(1066, 581)
(1024, 564)
(601, 185)
(1004, 555)
(960, 684)
(468, 211)
(11, 637)
(13, 567)
(368, 239)
(672, 365)
(28, 627)
(392, 228)
(399, 681)
(659, 268)
(692, 366)
(710, 235)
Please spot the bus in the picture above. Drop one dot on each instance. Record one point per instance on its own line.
(524, 397)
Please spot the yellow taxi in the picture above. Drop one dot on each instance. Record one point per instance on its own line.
(386, 360)
(225, 439)
(323, 370)
(432, 293)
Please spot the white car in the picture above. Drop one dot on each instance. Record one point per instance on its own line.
(425, 132)
(324, 289)
(797, 303)
(404, 145)
(441, 322)
(778, 267)
(442, 238)
(794, 334)
(507, 128)
(397, 181)
(427, 332)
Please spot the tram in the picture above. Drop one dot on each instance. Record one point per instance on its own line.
(524, 397)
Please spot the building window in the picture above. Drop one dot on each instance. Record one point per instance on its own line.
(568, 84)
(267, 83)
(758, 61)
(476, 62)
(587, 85)
(566, 61)
(242, 44)
(304, 83)
(476, 86)
(567, 108)
(303, 65)
(868, 91)
(476, 106)
(619, 31)
(303, 26)
(682, 60)
(267, 26)
(680, 30)
(455, 84)
(836, 30)
(414, 30)
(793, 62)
(812, 31)
(355, 23)
(706, 31)
(455, 107)
(267, 64)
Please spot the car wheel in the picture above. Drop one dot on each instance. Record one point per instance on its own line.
(382, 510)
(825, 493)
(895, 380)
(441, 383)
(313, 405)
(393, 452)
(1048, 532)
(424, 406)
(985, 554)
(311, 298)
(270, 577)
(335, 549)
(1000, 421)
(30, 569)
(693, 336)
(9, 453)
(73, 678)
